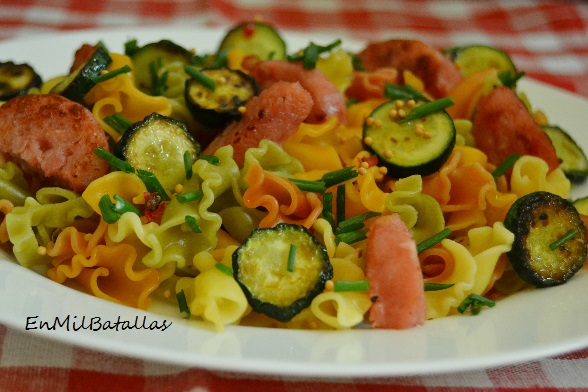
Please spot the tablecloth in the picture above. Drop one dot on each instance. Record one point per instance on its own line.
(547, 39)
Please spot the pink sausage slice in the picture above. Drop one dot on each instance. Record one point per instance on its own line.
(275, 114)
(51, 136)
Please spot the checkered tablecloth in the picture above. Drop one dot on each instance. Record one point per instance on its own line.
(547, 39)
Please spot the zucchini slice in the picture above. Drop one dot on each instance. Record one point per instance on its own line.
(474, 58)
(218, 107)
(157, 144)
(150, 58)
(538, 220)
(418, 146)
(573, 160)
(17, 79)
(272, 284)
(78, 83)
(255, 39)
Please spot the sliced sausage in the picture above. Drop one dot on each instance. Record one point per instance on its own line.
(502, 126)
(328, 100)
(51, 136)
(275, 114)
(437, 72)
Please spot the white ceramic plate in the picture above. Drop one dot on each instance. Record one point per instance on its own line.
(524, 327)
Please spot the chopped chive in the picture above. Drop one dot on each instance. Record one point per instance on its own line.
(311, 54)
(506, 165)
(356, 62)
(338, 176)
(438, 286)
(434, 240)
(119, 122)
(121, 206)
(193, 223)
(352, 285)
(200, 77)
(224, 269)
(309, 186)
(327, 213)
(190, 196)
(111, 74)
(351, 237)
(200, 61)
(563, 239)
(291, 258)
(355, 223)
(113, 161)
(111, 212)
(510, 79)
(427, 109)
(107, 209)
(210, 159)
(220, 59)
(183, 303)
(131, 47)
(340, 203)
(405, 91)
(188, 164)
(475, 302)
(351, 101)
(158, 83)
(152, 184)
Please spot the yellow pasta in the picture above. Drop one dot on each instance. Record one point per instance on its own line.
(341, 310)
(530, 174)
(214, 296)
(471, 270)
(120, 95)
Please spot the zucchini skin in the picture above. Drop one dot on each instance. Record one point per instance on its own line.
(410, 152)
(217, 109)
(17, 79)
(537, 220)
(256, 39)
(270, 262)
(161, 52)
(574, 163)
(80, 82)
(475, 58)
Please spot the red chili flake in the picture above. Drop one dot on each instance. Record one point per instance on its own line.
(154, 207)
(371, 160)
(249, 30)
(155, 215)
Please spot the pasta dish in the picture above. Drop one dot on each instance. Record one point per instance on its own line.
(312, 188)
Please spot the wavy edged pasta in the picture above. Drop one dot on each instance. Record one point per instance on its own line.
(272, 158)
(283, 200)
(421, 213)
(173, 241)
(312, 145)
(342, 310)
(214, 296)
(29, 226)
(467, 191)
(108, 272)
(120, 95)
(530, 174)
(470, 268)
